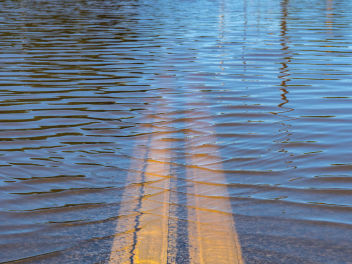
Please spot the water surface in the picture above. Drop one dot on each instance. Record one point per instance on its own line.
(83, 83)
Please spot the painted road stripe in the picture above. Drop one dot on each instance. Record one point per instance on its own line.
(144, 238)
(125, 229)
(142, 228)
(212, 234)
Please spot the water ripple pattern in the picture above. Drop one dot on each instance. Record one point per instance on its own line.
(258, 92)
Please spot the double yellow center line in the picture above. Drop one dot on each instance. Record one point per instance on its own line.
(142, 231)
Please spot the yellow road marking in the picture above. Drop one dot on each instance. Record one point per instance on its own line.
(142, 228)
(152, 238)
(212, 234)
(123, 241)
(147, 244)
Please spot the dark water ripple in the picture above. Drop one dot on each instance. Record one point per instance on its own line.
(80, 81)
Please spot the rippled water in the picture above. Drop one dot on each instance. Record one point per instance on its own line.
(83, 85)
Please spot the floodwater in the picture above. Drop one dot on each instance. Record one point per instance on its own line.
(253, 96)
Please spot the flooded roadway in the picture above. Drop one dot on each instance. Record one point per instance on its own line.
(213, 130)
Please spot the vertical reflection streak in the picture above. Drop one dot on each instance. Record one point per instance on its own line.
(244, 39)
(221, 32)
(284, 71)
(284, 77)
(329, 15)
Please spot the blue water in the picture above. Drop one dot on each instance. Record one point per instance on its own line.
(79, 81)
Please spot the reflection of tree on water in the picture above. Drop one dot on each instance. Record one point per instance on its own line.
(284, 71)
(284, 76)
(245, 25)
(221, 31)
(50, 32)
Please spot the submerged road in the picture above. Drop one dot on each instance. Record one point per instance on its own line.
(148, 235)
(177, 132)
